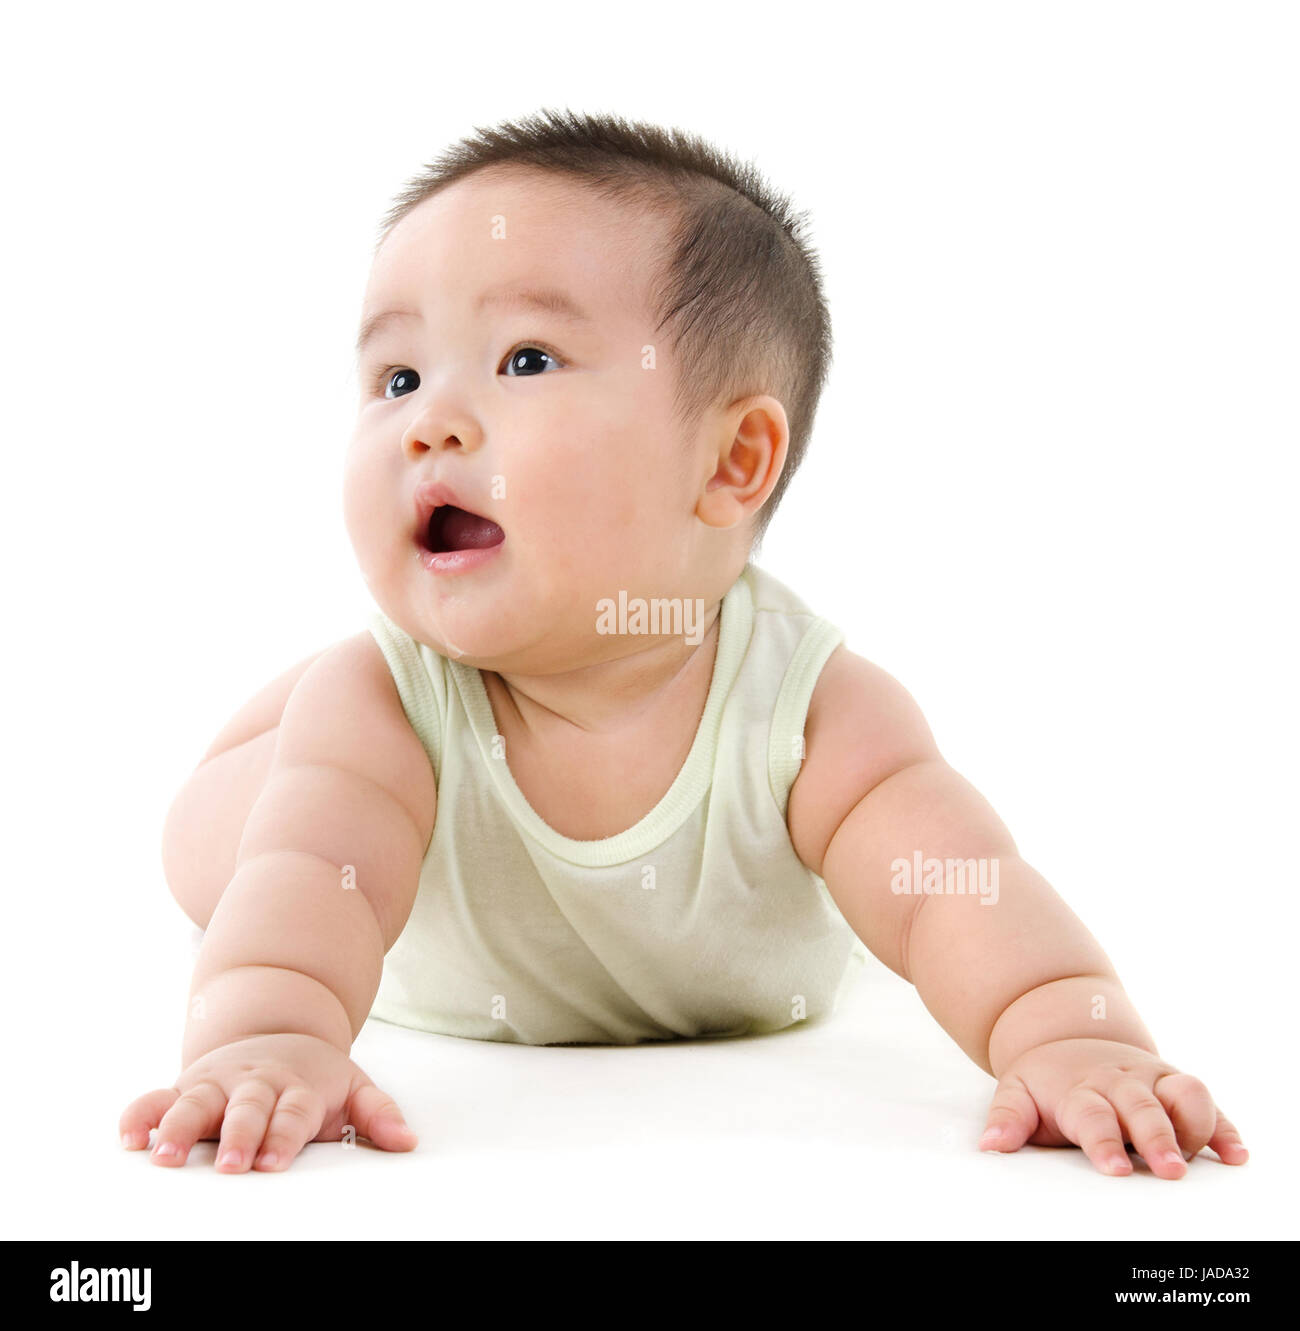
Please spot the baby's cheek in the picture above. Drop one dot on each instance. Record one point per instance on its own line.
(371, 525)
(355, 504)
(599, 502)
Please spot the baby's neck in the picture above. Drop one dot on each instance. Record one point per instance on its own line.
(609, 696)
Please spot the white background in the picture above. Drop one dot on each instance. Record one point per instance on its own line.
(1051, 489)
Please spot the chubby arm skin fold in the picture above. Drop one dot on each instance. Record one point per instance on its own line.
(327, 868)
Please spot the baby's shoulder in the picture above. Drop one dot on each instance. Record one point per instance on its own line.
(345, 713)
(352, 671)
(862, 727)
(347, 701)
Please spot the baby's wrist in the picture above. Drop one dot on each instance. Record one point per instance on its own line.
(1077, 1007)
(245, 1001)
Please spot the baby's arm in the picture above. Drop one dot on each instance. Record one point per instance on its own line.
(325, 878)
(1017, 981)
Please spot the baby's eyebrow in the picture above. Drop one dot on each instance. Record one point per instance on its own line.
(547, 299)
(537, 298)
(372, 326)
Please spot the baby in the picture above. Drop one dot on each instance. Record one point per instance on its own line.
(591, 775)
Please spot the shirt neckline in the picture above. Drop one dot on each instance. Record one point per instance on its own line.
(736, 617)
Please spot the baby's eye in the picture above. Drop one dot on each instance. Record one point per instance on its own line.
(525, 361)
(404, 379)
(525, 355)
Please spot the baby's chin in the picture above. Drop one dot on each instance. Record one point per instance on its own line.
(460, 634)
(470, 627)
(493, 620)
(504, 644)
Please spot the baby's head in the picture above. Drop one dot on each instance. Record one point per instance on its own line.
(673, 319)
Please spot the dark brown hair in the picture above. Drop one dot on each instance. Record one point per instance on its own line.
(739, 290)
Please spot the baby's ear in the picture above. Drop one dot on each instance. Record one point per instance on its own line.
(752, 451)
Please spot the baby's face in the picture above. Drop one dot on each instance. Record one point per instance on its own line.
(556, 427)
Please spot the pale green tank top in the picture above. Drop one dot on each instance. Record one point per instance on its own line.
(698, 921)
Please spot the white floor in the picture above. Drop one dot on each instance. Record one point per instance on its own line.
(862, 1127)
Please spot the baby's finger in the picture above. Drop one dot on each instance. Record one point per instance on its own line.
(1190, 1107)
(1013, 1117)
(299, 1112)
(244, 1125)
(195, 1114)
(1088, 1119)
(142, 1114)
(1226, 1143)
(375, 1116)
(1148, 1127)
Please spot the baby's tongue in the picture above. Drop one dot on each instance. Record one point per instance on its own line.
(468, 531)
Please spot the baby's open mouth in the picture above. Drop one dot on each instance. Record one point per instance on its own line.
(451, 528)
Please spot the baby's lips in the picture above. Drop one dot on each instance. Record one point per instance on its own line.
(438, 494)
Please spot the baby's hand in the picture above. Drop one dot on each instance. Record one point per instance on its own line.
(1098, 1094)
(265, 1097)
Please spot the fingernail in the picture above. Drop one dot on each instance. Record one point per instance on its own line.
(168, 1148)
(1118, 1164)
(230, 1160)
(1173, 1158)
(130, 1140)
(991, 1135)
(269, 1160)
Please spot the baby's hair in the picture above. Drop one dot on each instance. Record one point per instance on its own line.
(739, 290)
